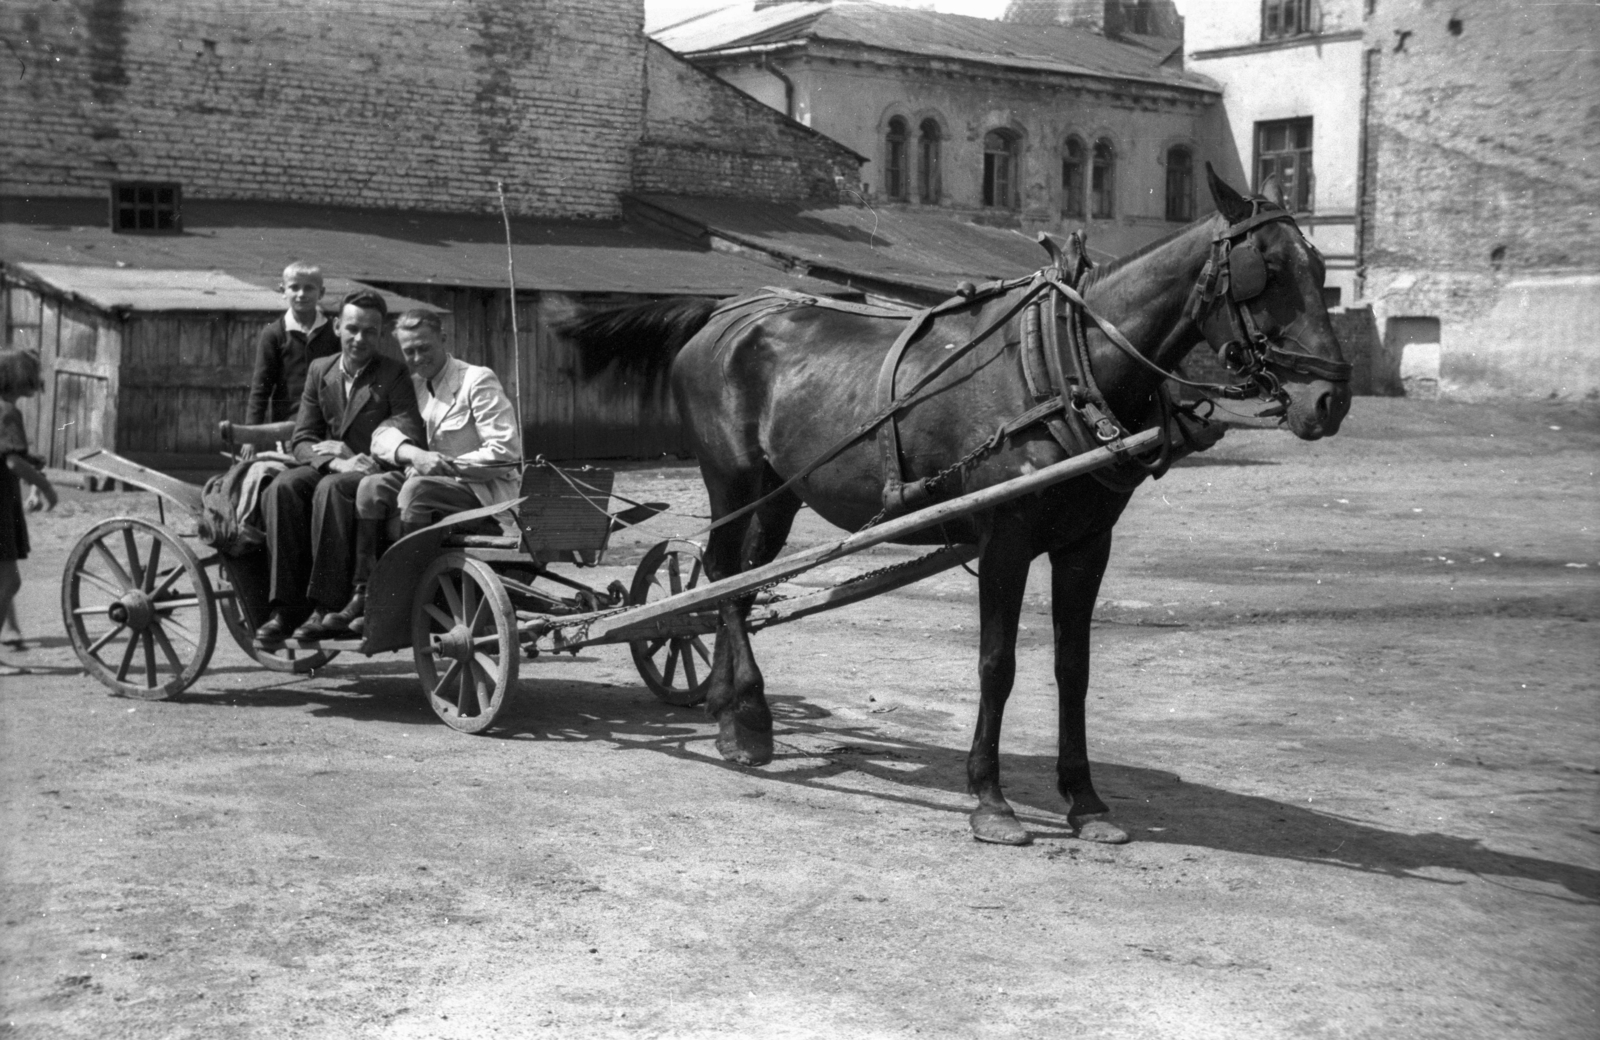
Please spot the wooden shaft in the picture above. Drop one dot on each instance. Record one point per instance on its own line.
(888, 531)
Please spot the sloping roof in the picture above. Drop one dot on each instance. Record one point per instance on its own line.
(168, 289)
(863, 23)
(252, 241)
(904, 247)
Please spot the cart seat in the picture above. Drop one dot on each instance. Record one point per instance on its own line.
(558, 521)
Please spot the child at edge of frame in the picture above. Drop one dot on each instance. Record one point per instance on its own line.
(19, 377)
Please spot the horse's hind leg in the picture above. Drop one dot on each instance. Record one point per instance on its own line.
(1002, 579)
(1075, 574)
(736, 696)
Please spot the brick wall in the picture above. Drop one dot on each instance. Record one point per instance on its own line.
(1482, 183)
(703, 137)
(1484, 127)
(405, 103)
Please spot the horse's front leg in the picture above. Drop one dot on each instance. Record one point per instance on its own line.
(1002, 578)
(1075, 574)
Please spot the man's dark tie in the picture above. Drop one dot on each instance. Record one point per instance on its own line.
(430, 386)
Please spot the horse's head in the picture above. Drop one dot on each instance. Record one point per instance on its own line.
(1259, 304)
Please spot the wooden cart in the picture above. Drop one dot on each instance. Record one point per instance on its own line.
(141, 603)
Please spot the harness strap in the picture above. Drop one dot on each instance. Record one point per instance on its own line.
(888, 433)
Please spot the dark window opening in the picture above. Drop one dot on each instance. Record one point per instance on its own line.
(999, 170)
(1283, 150)
(1180, 185)
(1281, 18)
(928, 186)
(1072, 158)
(146, 207)
(1102, 180)
(895, 160)
(1331, 296)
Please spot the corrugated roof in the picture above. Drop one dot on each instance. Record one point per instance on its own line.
(252, 241)
(1051, 48)
(169, 289)
(919, 249)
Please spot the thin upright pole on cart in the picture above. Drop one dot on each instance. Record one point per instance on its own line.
(516, 346)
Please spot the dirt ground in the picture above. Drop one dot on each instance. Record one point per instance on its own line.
(1344, 696)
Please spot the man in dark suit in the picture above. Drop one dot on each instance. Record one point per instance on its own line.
(309, 510)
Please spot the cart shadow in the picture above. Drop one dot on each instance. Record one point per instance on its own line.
(815, 749)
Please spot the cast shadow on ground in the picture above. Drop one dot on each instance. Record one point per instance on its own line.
(1154, 804)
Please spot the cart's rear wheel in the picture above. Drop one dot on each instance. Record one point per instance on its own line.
(678, 671)
(278, 659)
(464, 638)
(138, 608)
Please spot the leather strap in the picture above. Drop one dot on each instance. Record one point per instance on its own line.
(888, 433)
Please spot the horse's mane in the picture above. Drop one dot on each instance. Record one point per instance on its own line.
(1111, 267)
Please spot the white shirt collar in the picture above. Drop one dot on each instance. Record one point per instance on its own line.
(292, 324)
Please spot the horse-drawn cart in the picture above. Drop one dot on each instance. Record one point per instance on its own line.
(141, 603)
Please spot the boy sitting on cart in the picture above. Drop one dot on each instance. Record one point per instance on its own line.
(472, 455)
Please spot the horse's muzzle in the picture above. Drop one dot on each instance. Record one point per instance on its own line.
(1317, 408)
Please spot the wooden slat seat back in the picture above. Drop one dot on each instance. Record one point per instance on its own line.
(557, 518)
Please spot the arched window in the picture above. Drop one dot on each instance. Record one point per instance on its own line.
(1102, 180)
(894, 167)
(928, 162)
(1000, 170)
(1072, 159)
(1180, 184)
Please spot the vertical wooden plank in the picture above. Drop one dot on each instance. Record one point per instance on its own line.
(49, 350)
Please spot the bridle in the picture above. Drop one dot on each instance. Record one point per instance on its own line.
(1235, 274)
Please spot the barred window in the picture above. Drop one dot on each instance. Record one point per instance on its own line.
(928, 186)
(1072, 195)
(1000, 170)
(894, 171)
(146, 207)
(1180, 184)
(1102, 180)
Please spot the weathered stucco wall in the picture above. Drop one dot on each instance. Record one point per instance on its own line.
(852, 100)
(704, 137)
(408, 103)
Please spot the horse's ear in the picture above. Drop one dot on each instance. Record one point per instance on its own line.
(1230, 203)
(1272, 191)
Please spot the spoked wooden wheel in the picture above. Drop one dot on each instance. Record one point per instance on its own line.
(138, 608)
(277, 659)
(464, 638)
(677, 670)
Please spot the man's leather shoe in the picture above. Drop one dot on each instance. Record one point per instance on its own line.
(274, 630)
(342, 621)
(313, 629)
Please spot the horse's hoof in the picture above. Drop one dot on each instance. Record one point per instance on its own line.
(999, 828)
(742, 745)
(1098, 828)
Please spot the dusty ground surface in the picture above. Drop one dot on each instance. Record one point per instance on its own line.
(1344, 696)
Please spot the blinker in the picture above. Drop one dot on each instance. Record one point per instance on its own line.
(1247, 272)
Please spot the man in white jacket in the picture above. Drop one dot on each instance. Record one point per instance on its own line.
(472, 458)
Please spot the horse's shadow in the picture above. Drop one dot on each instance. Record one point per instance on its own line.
(814, 748)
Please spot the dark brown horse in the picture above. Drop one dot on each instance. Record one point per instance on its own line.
(763, 390)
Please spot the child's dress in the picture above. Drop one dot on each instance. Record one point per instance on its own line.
(13, 521)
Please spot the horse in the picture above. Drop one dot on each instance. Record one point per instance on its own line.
(765, 383)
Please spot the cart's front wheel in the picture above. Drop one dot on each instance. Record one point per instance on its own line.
(678, 671)
(464, 638)
(138, 608)
(281, 658)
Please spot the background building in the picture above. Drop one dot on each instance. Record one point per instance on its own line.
(1032, 126)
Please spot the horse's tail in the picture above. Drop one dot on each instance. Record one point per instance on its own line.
(641, 338)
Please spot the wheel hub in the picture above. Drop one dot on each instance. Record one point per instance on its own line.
(456, 643)
(133, 609)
